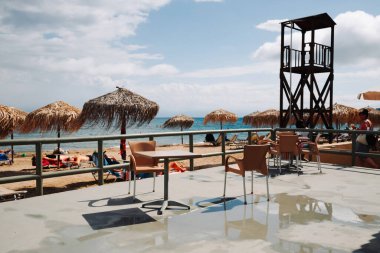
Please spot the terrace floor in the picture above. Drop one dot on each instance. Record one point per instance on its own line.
(336, 211)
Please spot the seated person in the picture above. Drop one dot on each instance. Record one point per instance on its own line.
(210, 138)
(109, 161)
(59, 151)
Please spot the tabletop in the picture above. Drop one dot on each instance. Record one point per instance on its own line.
(167, 154)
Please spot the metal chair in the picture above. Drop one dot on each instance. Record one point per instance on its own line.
(312, 149)
(288, 147)
(254, 160)
(140, 164)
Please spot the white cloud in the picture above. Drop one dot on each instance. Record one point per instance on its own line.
(197, 98)
(266, 67)
(271, 25)
(71, 46)
(208, 1)
(72, 33)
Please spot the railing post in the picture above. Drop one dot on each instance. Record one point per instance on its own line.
(151, 138)
(191, 149)
(249, 137)
(100, 162)
(223, 147)
(353, 150)
(39, 180)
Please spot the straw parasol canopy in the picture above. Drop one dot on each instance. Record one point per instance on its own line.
(11, 119)
(120, 108)
(249, 118)
(181, 121)
(268, 117)
(58, 116)
(220, 116)
(344, 114)
(369, 95)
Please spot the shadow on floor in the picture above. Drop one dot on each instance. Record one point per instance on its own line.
(117, 218)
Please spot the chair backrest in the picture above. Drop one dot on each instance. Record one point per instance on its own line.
(285, 133)
(143, 146)
(288, 144)
(234, 138)
(255, 158)
(319, 135)
(95, 159)
(254, 138)
(219, 140)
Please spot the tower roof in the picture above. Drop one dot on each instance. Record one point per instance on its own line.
(315, 22)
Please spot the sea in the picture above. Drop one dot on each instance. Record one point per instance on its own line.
(155, 126)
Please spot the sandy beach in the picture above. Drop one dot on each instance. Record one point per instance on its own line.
(23, 166)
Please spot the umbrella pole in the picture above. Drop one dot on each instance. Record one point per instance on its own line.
(123, 151)
(59, 147)
(181, 136)
(12, 147)
(221, 125)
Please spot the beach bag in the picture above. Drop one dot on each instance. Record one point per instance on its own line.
(371, 140)
(362, 139)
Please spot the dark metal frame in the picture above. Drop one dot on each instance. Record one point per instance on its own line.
(307, 64)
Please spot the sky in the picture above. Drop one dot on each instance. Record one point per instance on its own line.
(189, 56)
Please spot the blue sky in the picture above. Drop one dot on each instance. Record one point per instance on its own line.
(189, 56)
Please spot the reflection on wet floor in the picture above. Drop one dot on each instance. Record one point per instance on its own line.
(229, 219)
(263, 220)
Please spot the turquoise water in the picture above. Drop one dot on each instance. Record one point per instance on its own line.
(153, 127)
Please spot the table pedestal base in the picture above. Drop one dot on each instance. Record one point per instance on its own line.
(165, 204)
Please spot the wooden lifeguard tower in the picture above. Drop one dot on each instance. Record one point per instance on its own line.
(304, 63)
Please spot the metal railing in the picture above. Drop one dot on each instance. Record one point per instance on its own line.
(100, 169)
(321, 56)
(38, 143)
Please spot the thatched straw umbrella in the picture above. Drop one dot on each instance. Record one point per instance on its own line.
(344, 114)
(370, 95)
(181, 121)
(58, 116)
(221, 116)
(11, 119)
(120, 108)
(268, 117)
(249, 118)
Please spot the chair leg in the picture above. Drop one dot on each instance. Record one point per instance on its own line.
(267, 188)
(319, 163)
(129, 179)
(279, 163)
(252, 182)
(134, 187)
(245, 197)
(225, 182)
(108, 173)
(154, 181)
(297, 165)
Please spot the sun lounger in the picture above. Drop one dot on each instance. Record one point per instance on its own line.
(118, 173)
(4, 159)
